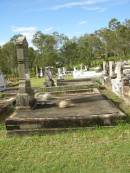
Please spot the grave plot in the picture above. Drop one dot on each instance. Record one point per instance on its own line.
(81, 110)
(50, 112)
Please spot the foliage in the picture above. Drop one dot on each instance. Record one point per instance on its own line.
(57, 50)
(8, 62)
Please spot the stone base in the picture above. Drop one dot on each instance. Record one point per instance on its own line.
(22, 99)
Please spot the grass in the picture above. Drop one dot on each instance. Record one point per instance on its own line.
(103, 150)
(2, 95)
(37, 82)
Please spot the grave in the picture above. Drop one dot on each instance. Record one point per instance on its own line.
(49, 82)
(61, 73)
(85, 74)
(2, 82)
(116, 77)
(60, 112)
(117, 85)
(25, 95)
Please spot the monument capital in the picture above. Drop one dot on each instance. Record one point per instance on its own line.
(21, 42)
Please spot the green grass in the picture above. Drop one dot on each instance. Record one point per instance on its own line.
(37, 82)
(104, 150)
(101, 150)
(2, 95)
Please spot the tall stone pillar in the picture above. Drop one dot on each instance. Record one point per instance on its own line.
(24, 96)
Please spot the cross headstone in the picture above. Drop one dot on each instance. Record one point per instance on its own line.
(25, 95)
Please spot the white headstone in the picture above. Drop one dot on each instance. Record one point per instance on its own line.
(60, 74)
(104, 68)
(111, 68)
(64, 70)
(2, 82)
(118, 70)
(117, 85)
(85, 68)
(41, 72)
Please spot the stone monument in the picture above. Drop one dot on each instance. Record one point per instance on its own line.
(111, 72)
(49, 82)
(104, 68)
(2, 82)
(60, 74)
(25, 95)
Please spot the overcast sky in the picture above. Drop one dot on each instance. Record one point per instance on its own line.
(71, 17)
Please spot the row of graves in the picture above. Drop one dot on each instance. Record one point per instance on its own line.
(71, 104)
(116, 77)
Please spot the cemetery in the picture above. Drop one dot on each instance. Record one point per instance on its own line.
(71, 103)
(65, 86)
(67, 111)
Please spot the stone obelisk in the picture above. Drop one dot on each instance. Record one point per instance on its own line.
(25, 96)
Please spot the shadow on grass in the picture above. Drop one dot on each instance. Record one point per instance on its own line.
(9, 110)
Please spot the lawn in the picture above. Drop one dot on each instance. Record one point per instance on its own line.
(37, 82)
(101, 150)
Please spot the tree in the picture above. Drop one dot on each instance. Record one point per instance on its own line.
(47, 46)
(9, 59)
(113, 24)
(70, 54)
(14, 38)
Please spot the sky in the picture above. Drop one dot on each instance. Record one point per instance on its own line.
(70, 17)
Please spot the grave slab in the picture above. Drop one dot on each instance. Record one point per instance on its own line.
(88, 110)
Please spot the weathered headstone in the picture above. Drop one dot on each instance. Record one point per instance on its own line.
(49, 82)
(41, 72)
(126, 71)
(64, 71)
(111, 72)
(60, 75)
(118, 70)
(117, 85)
(25, 95)
(104, 68)
(2, 82)
(85, 68)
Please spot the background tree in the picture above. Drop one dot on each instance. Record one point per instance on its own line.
(8, 58)
(111, 42)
